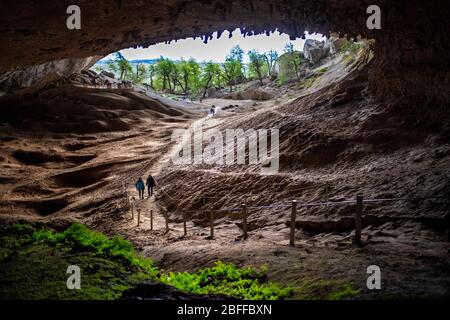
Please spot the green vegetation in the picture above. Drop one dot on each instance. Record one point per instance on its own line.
(322, 70)
(78, 237)
(258, 65)
(320, 289)
(193, 79)
(350, 50)
(289, 65)
(294, 59)
(225, 278)
(121, 66)
(310, 81)
(34, 261)
(351, 47)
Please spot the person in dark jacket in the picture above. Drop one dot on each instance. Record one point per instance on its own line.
(150, 184)
(140, 186)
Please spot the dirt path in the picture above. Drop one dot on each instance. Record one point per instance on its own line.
(148, 204)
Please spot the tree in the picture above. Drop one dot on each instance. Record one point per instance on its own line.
(271, 58)
(209, 72)
(120, 66)
(164, 69)
(188, 73)
(140, 74)
(257, 62)
(236, 53)
(151, 73)
(294, 58)
(232, 67)
(232, 70)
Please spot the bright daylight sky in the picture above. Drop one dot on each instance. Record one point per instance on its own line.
(216, 49)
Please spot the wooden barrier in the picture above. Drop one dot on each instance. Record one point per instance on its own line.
(184, 222)
(209, 213)
(139, 216)
(244, 220)
(166, 216)
(211, 223)
(151, 220)
(293, 217)
(358, 218)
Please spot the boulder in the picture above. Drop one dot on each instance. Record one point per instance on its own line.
(285, 69)
(249, 94)
(336, 43)
(211, 93)
(314, 50)
(107, 74)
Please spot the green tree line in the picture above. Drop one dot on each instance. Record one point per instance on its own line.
(191, 78)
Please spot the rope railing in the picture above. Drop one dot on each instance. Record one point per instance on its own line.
(294, 205)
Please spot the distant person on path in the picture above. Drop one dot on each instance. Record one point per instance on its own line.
(140, 186)
(150, 184)
(213, 110)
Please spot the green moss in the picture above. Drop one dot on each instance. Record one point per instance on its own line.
(79, 237)
(348, 59)
(322, 70)
(309, 82)
(34, 265)
(321, 289)
(351, 47)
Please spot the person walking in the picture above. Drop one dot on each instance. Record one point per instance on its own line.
(150, 184)
(140, 186)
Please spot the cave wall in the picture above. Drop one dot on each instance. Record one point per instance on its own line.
(410, 50)
(40, 74)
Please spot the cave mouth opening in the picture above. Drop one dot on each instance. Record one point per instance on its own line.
(260, 56)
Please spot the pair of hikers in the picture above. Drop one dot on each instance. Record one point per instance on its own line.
(140, 186)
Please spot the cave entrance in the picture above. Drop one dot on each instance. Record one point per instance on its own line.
(230, 62)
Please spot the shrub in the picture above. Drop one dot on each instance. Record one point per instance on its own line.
(228, 279)
(79, 237)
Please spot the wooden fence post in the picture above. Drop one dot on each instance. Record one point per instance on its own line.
(166, 215)
(184, 222)
(139, 216)
(244, 220)
(126, 193)
(358, 218)
(211, 223)
(293, 217)
(128, 198)
(151, 220)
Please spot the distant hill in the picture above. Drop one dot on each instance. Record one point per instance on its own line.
(141, 61)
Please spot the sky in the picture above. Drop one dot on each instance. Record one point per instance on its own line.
(216, 49)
